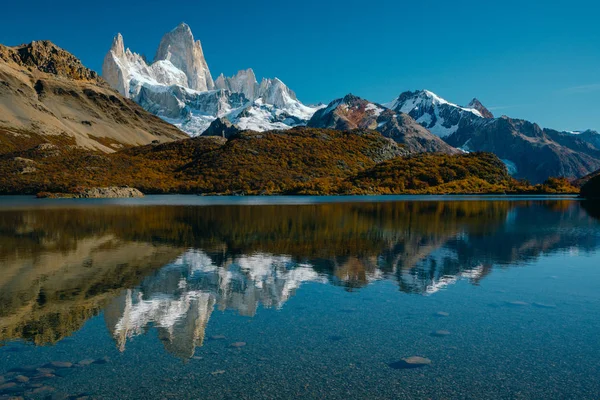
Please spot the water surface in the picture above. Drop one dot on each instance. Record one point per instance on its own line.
(284, 297)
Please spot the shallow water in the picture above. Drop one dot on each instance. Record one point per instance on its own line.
(233, 298)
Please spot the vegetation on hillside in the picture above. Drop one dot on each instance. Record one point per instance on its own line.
(298, 161)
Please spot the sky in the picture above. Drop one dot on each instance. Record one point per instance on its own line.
(537, 60)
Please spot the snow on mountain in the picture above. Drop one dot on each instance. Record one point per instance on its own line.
(433, 112)
(179, 47)
(352, 112)
(178, 87)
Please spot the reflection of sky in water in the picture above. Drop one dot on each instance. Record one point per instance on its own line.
(514, 289)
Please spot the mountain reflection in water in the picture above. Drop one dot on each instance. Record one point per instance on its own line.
(170, 267)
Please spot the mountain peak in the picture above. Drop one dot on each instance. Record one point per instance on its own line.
(118, 45)
(179, 47)
(182, 27)
(476, 104)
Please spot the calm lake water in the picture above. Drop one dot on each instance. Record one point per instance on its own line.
(180, 297)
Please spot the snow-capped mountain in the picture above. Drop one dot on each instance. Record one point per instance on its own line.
(352, 112)
(179, 88)
(439, 116)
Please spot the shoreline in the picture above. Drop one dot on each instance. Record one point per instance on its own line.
(30, 201)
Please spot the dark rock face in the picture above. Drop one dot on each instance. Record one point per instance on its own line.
(222, 127)
(533, 152)
(352, 112)
(587, 142)
(591, 190)
(476, 104)
(405, 130)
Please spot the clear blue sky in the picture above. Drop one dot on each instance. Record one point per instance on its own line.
(538, 60)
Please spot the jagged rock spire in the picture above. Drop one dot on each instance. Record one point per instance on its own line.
(476, 104)
(179, 47)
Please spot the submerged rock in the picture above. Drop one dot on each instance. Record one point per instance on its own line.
(517, 303)
(411, 362)
(59, 364)
(544, 305)
(7, 385)
(218, 372)
(440, 333)
(442, 314)
(237, 344)
(218, 337)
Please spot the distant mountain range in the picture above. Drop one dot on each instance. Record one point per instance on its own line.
(178, 87)
(48, 97)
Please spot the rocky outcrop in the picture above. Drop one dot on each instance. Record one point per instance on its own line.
(97, 193)
(46, 57)
(179, 47)
(243, 82)
(405, 130)
(222, 127)
(476, 104)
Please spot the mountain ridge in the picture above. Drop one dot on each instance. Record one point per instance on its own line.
(47, 96)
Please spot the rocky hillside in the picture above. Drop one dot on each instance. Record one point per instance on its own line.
(529, 151)
(48, 96)
(352, 112)
(525, 146)
(296, 161)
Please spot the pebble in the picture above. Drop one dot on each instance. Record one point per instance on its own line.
(237, 344)
(60, 364)
(43, 389)
(41, 377)
(218, 372)
(8, 385)
(86, 362)
(440, 333)
(45, 370)
(411, 362)
(442, 314)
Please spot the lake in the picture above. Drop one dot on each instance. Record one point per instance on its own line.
(175, 297)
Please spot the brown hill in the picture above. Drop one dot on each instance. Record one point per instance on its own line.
(297, 161)
(48, 96)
